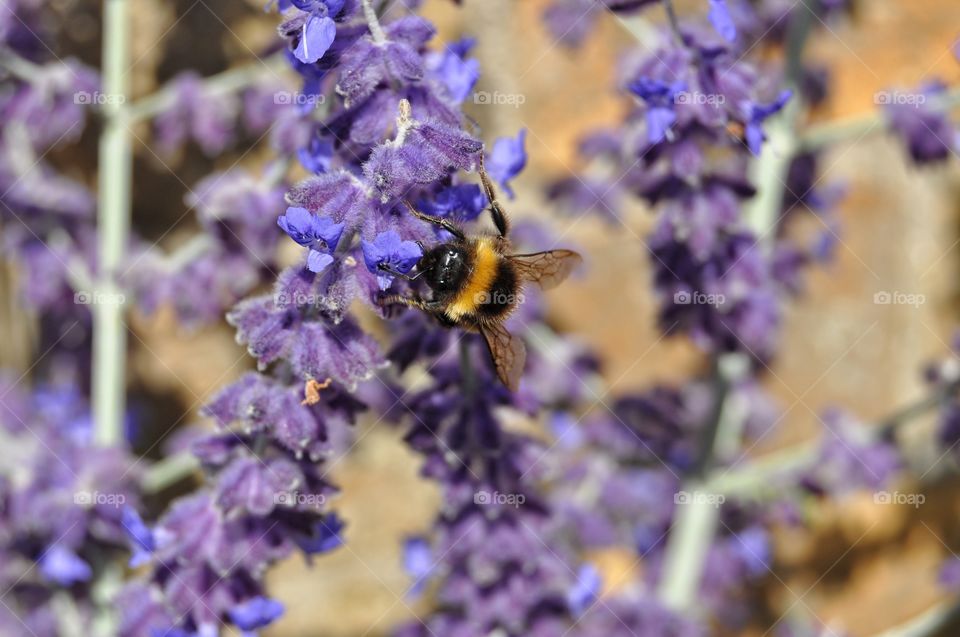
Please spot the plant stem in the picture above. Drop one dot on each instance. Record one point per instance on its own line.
(855, 127)
(19, 67)
(672, 20)
(697, 517)
(113, 220)
(760, 474)
(226, 82)
(373, 23)
(168, 472)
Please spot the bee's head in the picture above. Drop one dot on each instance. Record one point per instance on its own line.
(444, 267)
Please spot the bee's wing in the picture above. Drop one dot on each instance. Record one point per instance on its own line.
(546, 269)
(509, 354)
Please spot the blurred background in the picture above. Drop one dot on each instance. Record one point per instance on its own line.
(858, 566)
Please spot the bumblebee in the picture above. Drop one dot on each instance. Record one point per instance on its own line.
(476, 283)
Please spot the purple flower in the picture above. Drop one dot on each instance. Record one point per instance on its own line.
(586, 589)
(423, 153)
(62, 566)
(661, 99)
(928, 133)
(719, 15)
(317, 155)
(453, 71)
(507, 159)
(389, 251)
(256, 613)
(316, 36)
(325, 536)
(758, 114)
(460, 202)
(320, 233)
(141, 537)
(196, 114)
(418, 562)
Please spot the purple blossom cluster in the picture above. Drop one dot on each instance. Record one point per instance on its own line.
(377, 124)
(61, 521)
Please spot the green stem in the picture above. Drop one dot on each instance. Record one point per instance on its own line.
(760, 475)
(857, 126)
(113, 221)
(227, 82)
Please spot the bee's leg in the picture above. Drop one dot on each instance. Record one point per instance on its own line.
(500, 219)
(430, 307)
(443, 223)
(406, 277)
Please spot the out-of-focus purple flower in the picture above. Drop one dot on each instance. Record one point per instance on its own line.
(758, 114)
(388, 250)
(451, 68)
(949, 575)
(850, 458)
(326, 535)
(256, 613)
(570, 21)
(51, 107)
(141, 537)
(586, 589)
(197, 114)
(418, 562)
(507, 159)
(661, 99)
(317, 155)
(929, 134)
(722, 21)
(62, 566)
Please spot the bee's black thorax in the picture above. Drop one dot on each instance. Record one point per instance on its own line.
(446, 268)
